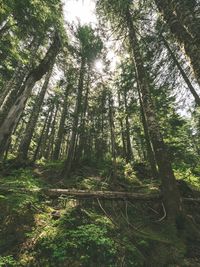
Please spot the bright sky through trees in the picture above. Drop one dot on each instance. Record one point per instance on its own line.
(80, 10)
(83, 12)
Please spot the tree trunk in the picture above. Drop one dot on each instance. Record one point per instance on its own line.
(129, 155)
(82, 136)
(71, 148)
(40, 140)
(61, 128)
(41, 147)
(49, 150)
(16, 110)
(184, 75)
(13, 88)
(112, 135)
(150, 152)
(170, 191)
(184, 38)
(27, 137)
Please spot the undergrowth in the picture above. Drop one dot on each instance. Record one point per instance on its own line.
(85, 233)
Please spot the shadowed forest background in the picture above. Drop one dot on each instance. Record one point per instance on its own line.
(100, 133)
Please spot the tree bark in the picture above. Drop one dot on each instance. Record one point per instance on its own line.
(82, 135)
(51, 136)
(27, 137)
(40, 140)
(61, 128)
(129, 155)
(112, 135)
(150, 152)
(184, 75)
(16, 110)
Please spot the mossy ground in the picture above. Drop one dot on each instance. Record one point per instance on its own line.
(86, 232)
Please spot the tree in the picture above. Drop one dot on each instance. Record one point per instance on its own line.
(185, 26)
(169, 188)
(30, 126)
(13, 115)
(90, 46)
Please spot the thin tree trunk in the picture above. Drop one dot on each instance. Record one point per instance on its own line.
(40, 140)
(48, 152)
(122, 127)
(129, 155)
(71, 148)
(112, 134)
(61, 128)
(42, 149)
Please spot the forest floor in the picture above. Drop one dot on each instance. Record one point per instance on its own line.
(37, 230)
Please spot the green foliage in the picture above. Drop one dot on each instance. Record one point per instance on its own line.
(7, 261)
(188, 175)
(90, 43)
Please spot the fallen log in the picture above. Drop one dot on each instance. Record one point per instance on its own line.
(84, 194)
(87, 194)
(102, 194)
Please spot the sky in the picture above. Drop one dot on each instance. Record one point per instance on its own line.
(80, 10)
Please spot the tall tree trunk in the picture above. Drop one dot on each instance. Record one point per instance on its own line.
(45, 136)
(170, 191)
(12, 88)
(184, 38)
(82, 136)
(40, 140)
(129, 155)
(71, 148)
(61, 128)
(27, 137)
(16, 110)
(49, 150)
(184, 75)
(112, 135)
(150, 152)
(122, 126)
